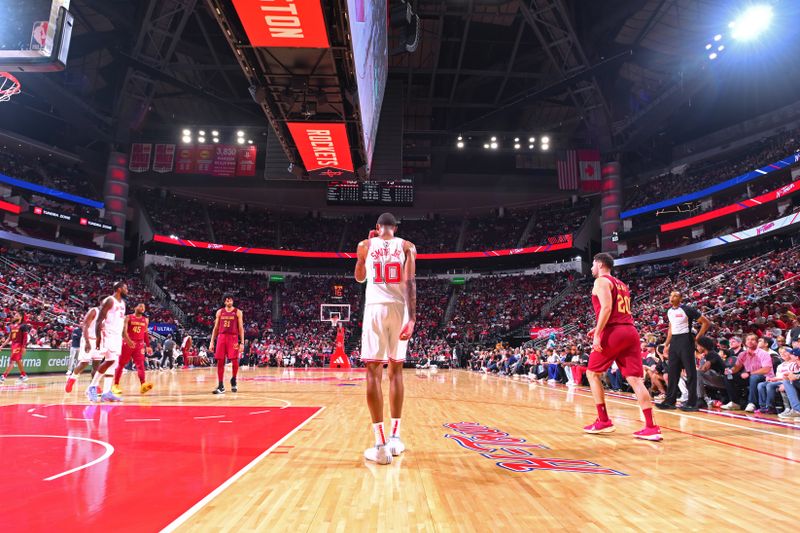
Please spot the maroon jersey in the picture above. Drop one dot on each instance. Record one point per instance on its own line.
(620, 304)
(19, 335)
(228, 322)
(137, 328)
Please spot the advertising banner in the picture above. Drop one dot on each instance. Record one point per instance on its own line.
(283, 23)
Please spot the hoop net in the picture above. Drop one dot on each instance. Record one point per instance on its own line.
(9, 86)
(334, 321)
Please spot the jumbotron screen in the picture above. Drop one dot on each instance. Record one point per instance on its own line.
(386, 193)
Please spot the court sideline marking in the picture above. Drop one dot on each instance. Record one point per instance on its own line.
(628, 404)
(228, 482)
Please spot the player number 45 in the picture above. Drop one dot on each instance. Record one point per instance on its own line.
(388, 273)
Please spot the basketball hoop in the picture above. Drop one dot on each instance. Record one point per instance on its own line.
(334, 321)
(9, 86)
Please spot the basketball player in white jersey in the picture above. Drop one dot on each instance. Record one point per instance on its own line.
(388, 265)
(108, 340)
(87, 353)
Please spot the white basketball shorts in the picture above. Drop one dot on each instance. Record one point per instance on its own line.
(111, 347)
(380, 336)
(93, 355)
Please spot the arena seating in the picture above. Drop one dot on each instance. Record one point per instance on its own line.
(55, 292)
(707, 173)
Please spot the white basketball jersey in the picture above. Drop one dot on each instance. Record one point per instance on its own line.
(115, 319)
(385, 276)
(93, 323)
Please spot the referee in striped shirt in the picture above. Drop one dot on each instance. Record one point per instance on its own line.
(680, 348)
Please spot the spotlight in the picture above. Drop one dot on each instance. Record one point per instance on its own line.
(530, 147)
(494, 146)
(240, 140)
(240, 133)
(460, 144)
(187, 139)
(712, 56)
(545, 140)
(216, 139)
(516, 139)
(201, 139)
(753, 22)
(494, 139)
(545, 147)
(187, 132)
(249, 141)
(721, 48)
(708, 46)
(215, 133)
(717, 37)
(516, 146)
(202, 132)
(532, 140)
(460, 138)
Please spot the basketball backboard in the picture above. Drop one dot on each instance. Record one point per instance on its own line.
(34, 35)
(340, 311)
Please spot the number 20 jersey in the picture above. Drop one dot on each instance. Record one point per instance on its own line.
(385, 275)
(620, 304)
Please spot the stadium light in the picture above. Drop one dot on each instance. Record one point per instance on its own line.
(216, 139)
(460, 138)
(494, 146)
(709, 46)
(215, 133)
(201, 139)
(754, 21)
(530, 147)
(187, 139)
(460, 144)
(717, 37)
(516, 146)
(545, 140)
(712, 56)
(201, 132)
(721, 48)
(249, 141)
(545, 147)
(532, 140)
(516, 139)
(240, 133)
(494, 139)
(486, 146)
(187, 132)
(240, 140)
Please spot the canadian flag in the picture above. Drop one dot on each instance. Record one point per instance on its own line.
(589, 164)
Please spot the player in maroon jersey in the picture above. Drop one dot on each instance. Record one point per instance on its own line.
(229, 336)
(135, 343)
(18, 337)
(615, 339)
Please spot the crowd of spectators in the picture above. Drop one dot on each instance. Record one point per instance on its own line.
(46, 172)
(713, 171)
(55, 292)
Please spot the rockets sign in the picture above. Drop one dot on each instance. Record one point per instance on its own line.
(283, 23)
(323, 147)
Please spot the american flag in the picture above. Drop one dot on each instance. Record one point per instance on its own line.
(568, 171)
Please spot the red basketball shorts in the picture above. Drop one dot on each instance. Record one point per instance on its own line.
(136, 353)
(620, 344)
(16, 352)
(227, 347)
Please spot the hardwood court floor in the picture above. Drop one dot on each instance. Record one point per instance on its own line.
(712, 472)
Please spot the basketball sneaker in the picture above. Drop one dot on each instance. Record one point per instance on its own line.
(23, 379)
(234, 388)
(600, 427)
(653, 434)
(732, 406)
(116, 390)
(110, 397)
(396, 446)
(70, 383)
(219, 390)
(2, 379)
(751, 407)
(91, 394)
(379, 454)
(146, 387)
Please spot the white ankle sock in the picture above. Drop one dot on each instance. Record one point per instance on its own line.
(395, 427)
(380, 435)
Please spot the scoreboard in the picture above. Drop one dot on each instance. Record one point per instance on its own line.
(388, 193)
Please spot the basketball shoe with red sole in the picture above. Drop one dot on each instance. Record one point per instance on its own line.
(653, 434)
(599, 426)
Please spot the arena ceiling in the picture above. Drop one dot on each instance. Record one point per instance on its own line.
(585, 72)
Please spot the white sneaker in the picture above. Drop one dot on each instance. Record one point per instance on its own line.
(731, 406)
(378, 454)
(396, 446)
(751, 407)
